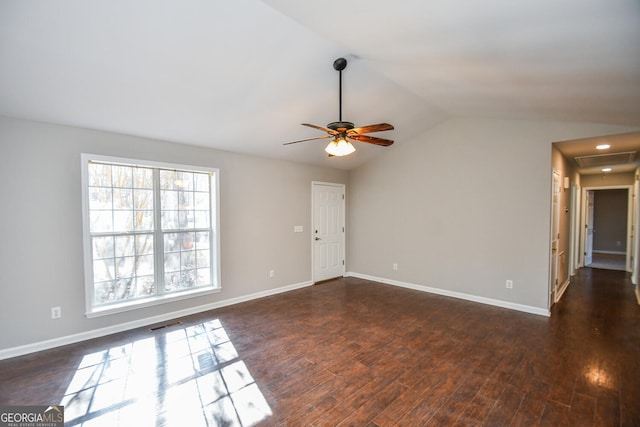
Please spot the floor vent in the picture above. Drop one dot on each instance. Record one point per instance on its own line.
(166, 325)
(605, 159)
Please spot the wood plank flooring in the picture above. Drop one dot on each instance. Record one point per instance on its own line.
(355, 353)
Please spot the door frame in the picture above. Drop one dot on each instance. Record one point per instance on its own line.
(574, 247)
(556, 187)
(630, 226)
(311, 229)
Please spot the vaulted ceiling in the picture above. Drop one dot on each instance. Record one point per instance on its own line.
(242, 75)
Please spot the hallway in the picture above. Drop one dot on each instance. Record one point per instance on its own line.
(609, 262)
(598, 321)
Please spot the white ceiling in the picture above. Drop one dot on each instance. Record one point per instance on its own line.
(242, 75)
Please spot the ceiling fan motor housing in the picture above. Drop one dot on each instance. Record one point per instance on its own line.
(341, 126)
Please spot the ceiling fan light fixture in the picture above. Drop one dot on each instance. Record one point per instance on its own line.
(340, 147)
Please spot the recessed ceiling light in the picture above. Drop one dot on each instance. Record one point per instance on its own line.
(606, 169)
(603, 146)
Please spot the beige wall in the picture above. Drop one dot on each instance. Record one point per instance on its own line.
(610, 221)
(462, 208)
(41, 225)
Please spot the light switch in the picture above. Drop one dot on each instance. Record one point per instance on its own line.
(298, 229)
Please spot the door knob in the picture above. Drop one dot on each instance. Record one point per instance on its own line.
(317, 238)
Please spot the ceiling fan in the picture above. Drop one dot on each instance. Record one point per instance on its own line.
(342, 132)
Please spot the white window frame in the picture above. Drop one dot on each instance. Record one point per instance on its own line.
(89, 287)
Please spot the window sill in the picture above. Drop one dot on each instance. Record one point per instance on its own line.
(149, 302)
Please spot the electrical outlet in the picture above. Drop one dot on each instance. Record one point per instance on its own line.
(56, 312)
(272, 273)
(395, 266)
(509, 284)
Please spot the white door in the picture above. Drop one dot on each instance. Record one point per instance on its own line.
(588, 241)
(555, 237)
(328, 231)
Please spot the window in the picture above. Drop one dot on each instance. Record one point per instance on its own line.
(150, 232)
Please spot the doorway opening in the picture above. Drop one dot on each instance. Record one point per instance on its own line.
(607, 228)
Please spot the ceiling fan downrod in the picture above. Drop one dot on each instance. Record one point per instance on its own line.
(339, 65)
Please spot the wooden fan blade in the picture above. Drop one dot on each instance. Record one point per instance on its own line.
(327, 130)
(371, 128)
(308, 139)
(372, 140)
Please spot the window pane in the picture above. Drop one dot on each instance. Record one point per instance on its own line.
(144, 265)
(122, 198)
(144, 220)
(103, 269)
(145, 286)
(104, 292)
(187, 240)
(102, 247)
(201, 182)
(172, 262)
(167, 179)
(169, 200)
(99, 198)
(100, 221)
(171, 242)
(125, 267)
(204, 277)
(99, 175)
(185, 219)
(122, 221)
(201, 219)
(187, 279)
(143, 178)
(185, 200)
(184, 180)
(144, 244)
(122, 176)
(202, 240)
(170, 220)
(201, 201)
(125, 246)
(183, 262)
(122, 289)
(188, 260)
(202, 258)
(143, 199)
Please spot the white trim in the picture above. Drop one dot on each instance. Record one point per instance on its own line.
(563, 288)
(609, 252)
(630, 227)
(453, 294)
(574, 232)
(97, 333)
(554, 256)
(150, 302)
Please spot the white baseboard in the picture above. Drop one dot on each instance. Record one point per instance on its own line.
(563, 288)
(97, 333)
(610, 252)
(459, 295)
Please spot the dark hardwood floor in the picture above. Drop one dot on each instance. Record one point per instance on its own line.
(356, 353)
